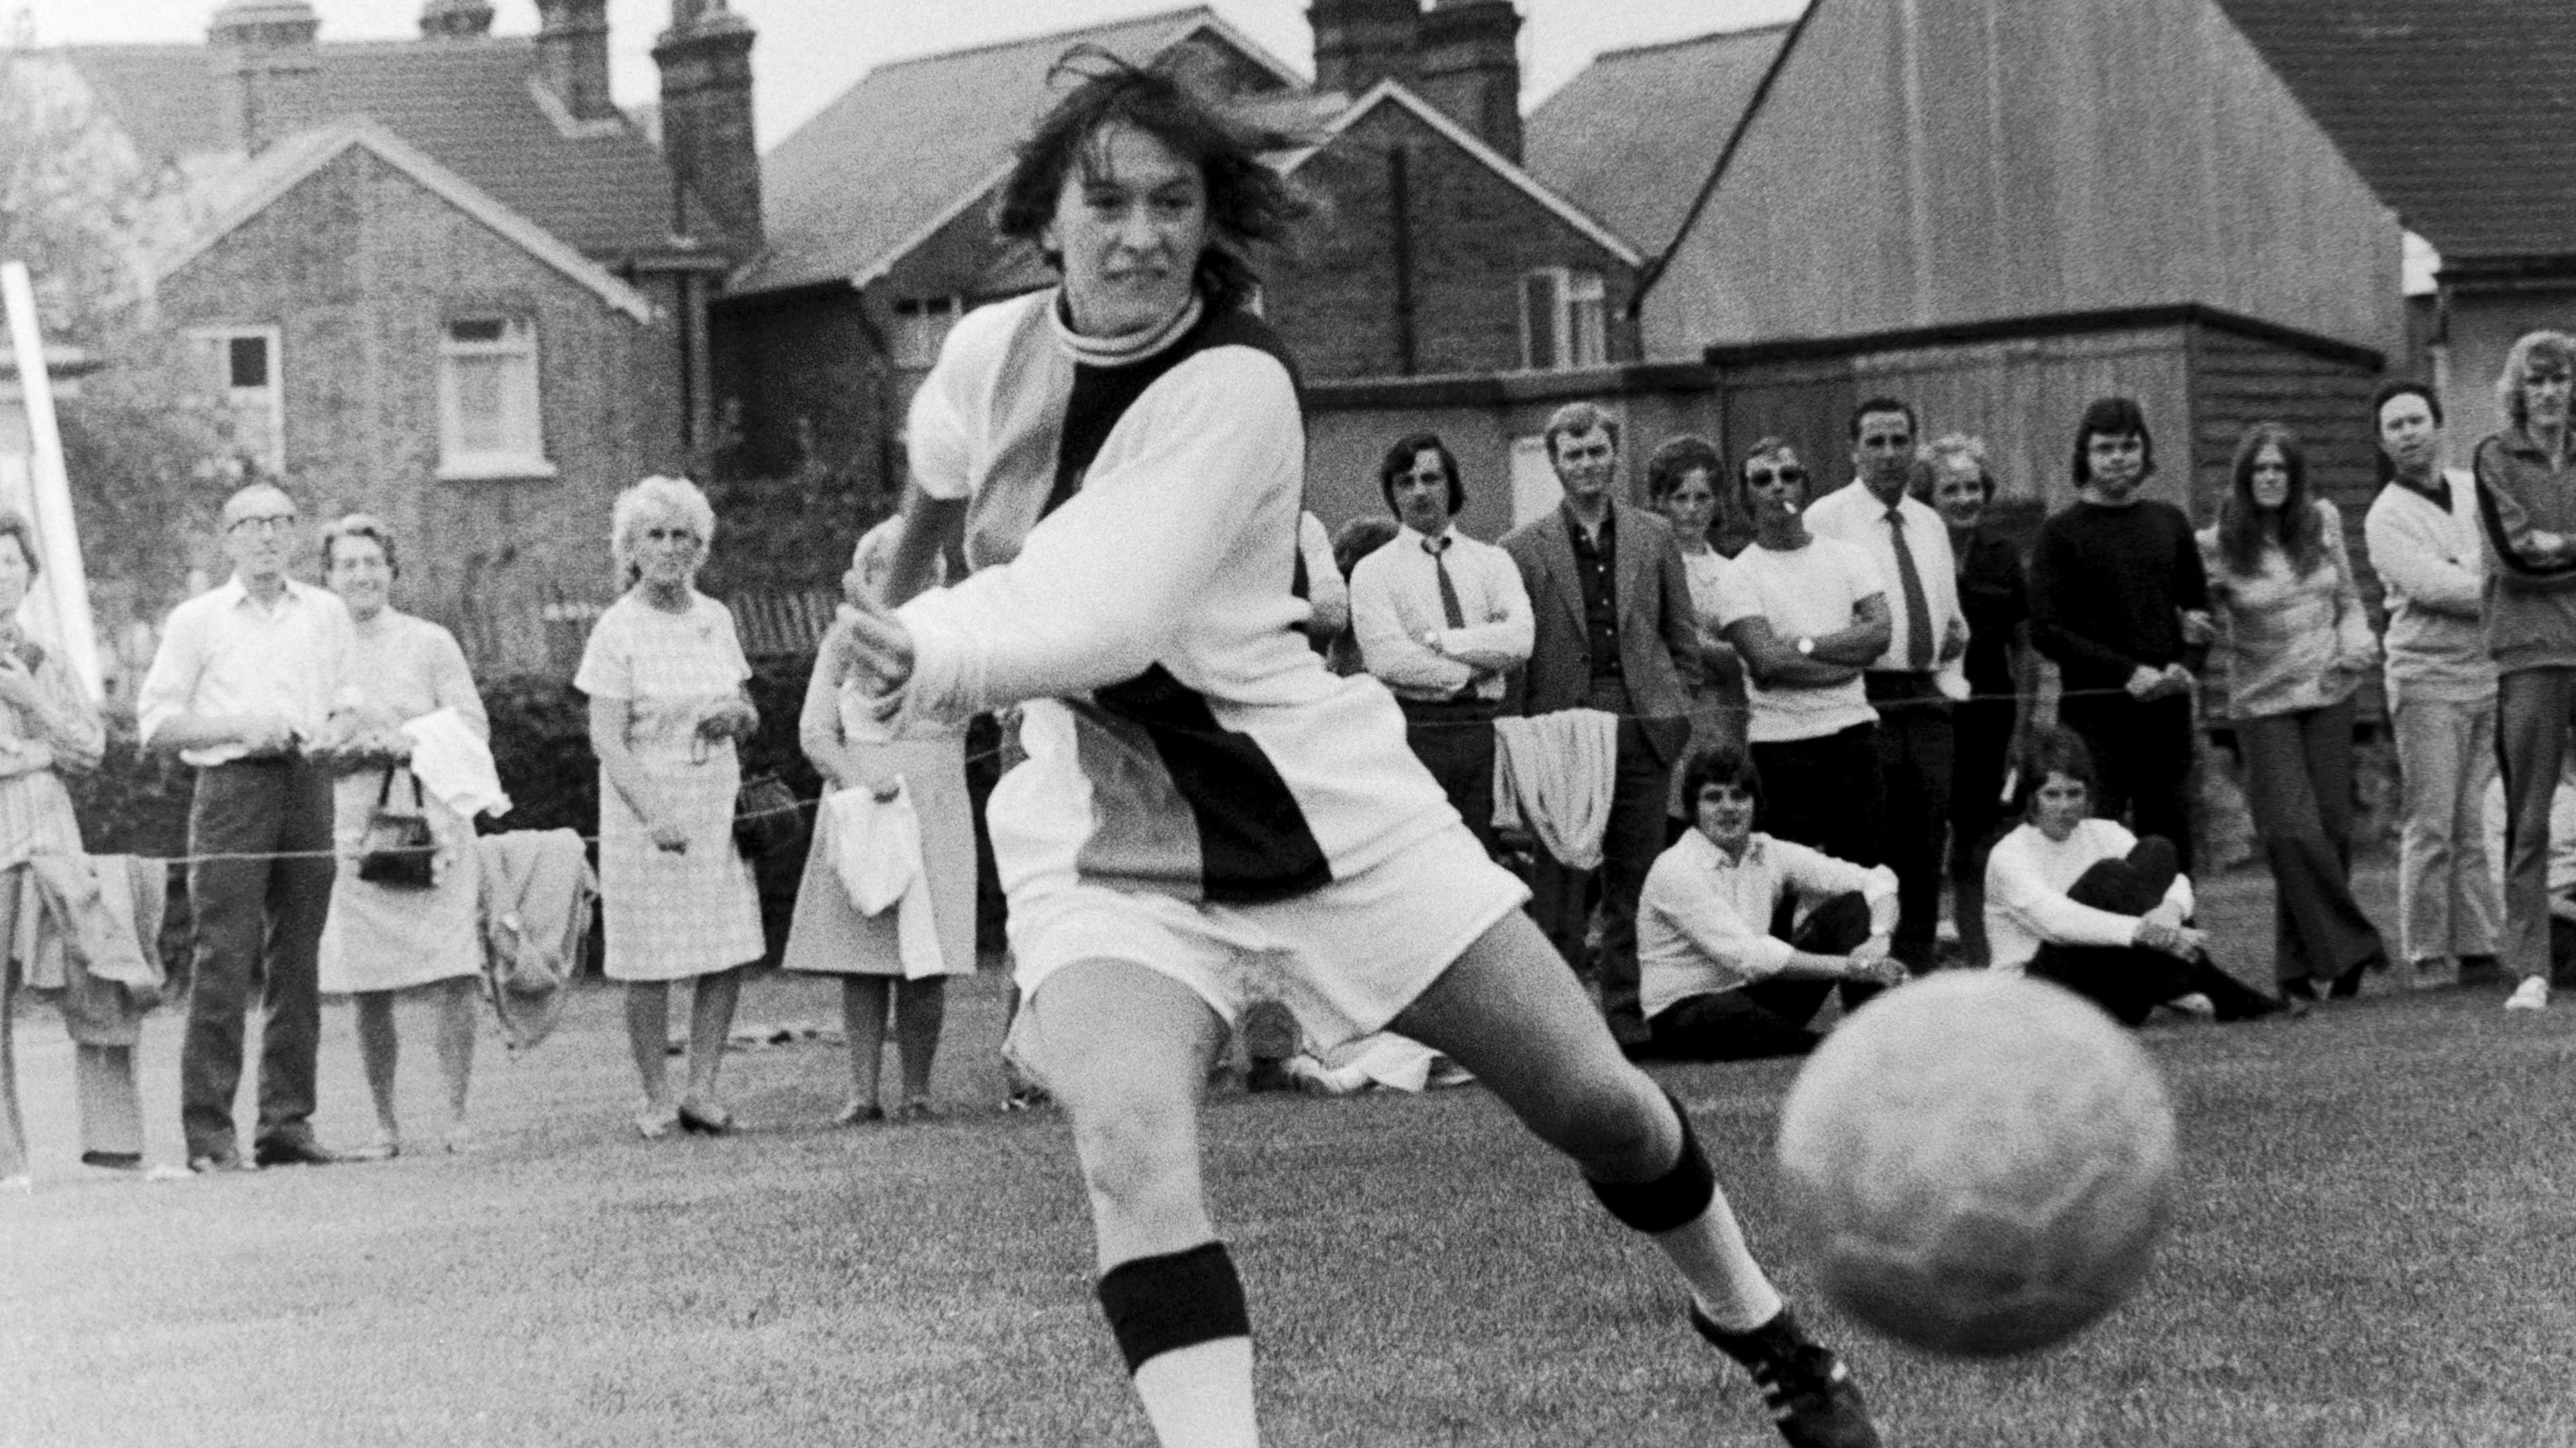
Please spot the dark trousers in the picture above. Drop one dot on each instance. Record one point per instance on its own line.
(1983, 728)
(1561, 898)
(2130, 980)
(1824, 793)
(1916, 743)
(1454, 739)
(259, 922)
(2141, 762)
(1769, 1018)
(2298, 785)
(2535, 708)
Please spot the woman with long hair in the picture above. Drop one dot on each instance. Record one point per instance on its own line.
(1206, 811)
(2294, 645)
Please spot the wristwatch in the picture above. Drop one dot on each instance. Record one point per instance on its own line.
(1807, 646)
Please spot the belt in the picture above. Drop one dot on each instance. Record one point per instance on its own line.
(1888, 684)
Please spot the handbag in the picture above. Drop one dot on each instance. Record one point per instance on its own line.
(766, 817)
(397, 849)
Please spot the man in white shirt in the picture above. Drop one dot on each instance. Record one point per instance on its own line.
(1806, 614)
(244, 687)
(1728, 971)
(1913, 682)
(1440, 617)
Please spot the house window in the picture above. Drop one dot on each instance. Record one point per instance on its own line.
(920, 326)
(489, 424)
(1564, 319)
(241, 366)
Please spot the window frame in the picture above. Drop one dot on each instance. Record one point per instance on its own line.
(221, 339)
(520, 339)
(1577, 320)
(911, 313)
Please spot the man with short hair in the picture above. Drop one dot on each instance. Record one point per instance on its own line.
(1614, 631)
(244, 687)
(1440, 619)
(1913, 684)
(2117, 596)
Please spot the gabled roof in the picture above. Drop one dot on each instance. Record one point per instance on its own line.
(282, 167)
(1635, 135)
(471, 105)
(1391, 92)
(915, 144)
(2458, 112)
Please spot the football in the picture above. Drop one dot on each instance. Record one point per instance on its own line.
(1978, 1164)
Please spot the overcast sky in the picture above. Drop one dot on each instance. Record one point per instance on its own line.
(812, 50)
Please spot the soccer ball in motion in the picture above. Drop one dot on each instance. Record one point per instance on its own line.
(1979, 1163)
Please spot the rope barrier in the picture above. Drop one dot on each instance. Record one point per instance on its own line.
(804, 806)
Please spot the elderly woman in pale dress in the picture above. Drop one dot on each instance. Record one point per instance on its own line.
(665, 671)
(46, 725)
(829, 935)
(384, 941)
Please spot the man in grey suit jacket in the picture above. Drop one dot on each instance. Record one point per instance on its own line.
(1615, 632)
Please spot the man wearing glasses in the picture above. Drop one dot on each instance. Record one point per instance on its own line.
(1614, 631)
(1441, 618)
(243, 687)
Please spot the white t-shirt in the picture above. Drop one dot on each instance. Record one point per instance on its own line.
(1802, 593)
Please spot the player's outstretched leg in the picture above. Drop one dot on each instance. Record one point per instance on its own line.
(1509, 1011)
(1125, 1050)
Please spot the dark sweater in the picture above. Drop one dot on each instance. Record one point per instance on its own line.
(2106, 589)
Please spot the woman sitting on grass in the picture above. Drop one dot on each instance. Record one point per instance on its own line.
(2082, 902)
(1723, 975)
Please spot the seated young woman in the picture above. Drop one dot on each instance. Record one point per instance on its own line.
(2083, 903)
(1726, 970)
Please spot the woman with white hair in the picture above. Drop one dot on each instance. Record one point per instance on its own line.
(664, 670)
(883, 959)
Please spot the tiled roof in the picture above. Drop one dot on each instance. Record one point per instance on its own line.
(902, 151)
(2458, 112)
(605, 191)
(1633, 138)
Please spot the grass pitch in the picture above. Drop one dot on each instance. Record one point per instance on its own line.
(2376, 1248)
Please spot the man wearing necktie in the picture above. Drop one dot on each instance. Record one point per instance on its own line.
(1913, 683)
(1440, 618)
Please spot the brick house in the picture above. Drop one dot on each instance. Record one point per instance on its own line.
(446, 281)
(1445, 262)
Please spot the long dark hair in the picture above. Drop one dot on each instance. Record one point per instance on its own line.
(2299, 527)
(1249, 205)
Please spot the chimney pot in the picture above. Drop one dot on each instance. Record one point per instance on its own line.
(572, 55)
(707, 133)
(268, 71)
(456, 19)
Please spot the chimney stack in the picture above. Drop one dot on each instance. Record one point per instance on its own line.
(707, 137)
(572, 55)
(456, 20)
(1361, 42)
(1470, 66)
(269, 72)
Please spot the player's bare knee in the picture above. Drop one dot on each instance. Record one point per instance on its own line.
(1134, 1153)
(1613, 1123)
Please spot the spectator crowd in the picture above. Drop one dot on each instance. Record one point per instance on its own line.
(1737, 740)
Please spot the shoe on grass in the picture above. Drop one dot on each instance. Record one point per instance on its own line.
(2531, 995)
(1813, 1400)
